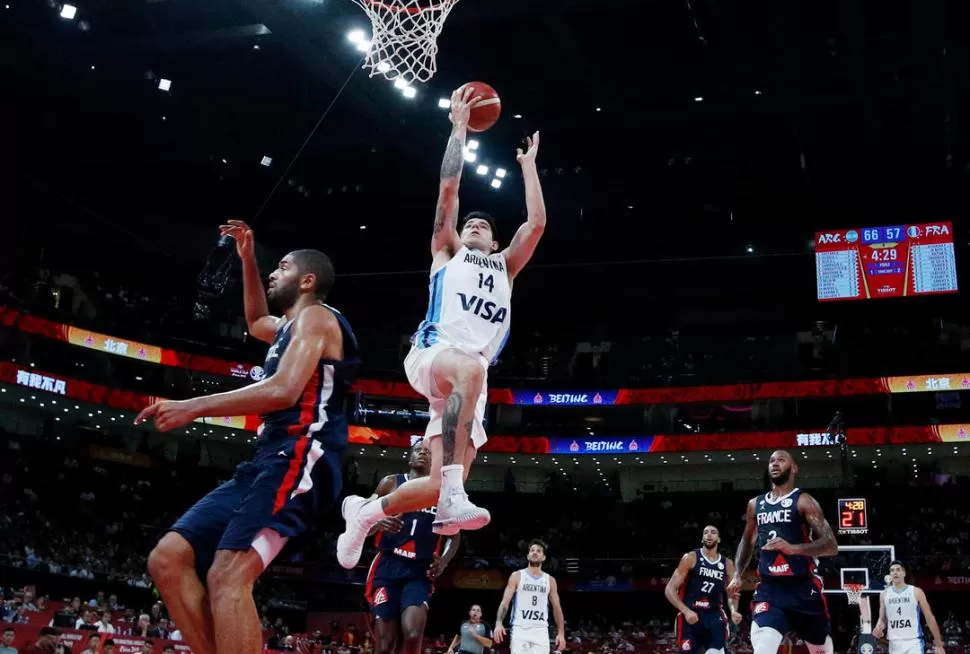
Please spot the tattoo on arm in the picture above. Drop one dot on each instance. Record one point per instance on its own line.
(449, 427)
(452, 162)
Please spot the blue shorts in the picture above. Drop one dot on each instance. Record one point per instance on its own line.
(288, 483)
(389, 598)
(710, 632)
(793, 604)
(394, 584)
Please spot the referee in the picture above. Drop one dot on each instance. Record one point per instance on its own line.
(474, 635)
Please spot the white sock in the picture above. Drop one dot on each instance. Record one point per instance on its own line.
(453, 479)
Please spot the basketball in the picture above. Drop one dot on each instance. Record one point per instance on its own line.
(486, 111)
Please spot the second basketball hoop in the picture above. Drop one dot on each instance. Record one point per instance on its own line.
(404, 40)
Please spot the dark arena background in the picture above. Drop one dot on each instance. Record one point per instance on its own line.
(757, 239)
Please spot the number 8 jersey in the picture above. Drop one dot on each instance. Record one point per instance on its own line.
(530, 608)
(469, 305)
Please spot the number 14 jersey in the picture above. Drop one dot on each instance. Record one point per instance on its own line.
(469, 305)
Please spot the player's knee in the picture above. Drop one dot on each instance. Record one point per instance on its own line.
(171, 556)
(385, 644)
(765, 640)
(231, 576)
(468, 377)
(827, 648)
(412, 636)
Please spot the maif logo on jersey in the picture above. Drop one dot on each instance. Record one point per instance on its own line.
(780, 567)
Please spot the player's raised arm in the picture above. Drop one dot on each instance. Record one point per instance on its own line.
(672, 591)
(498, 634)
(745, 550)
(444, 239)
(557, 613)
(824, 543)
(260, 323)
(924, 606)
(523, 244)
(312, 330)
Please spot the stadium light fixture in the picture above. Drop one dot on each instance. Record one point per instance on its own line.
(482, 170)
(409, 92)
(444, 103)
(472, 144)
(470, 156)
(496, 183)
(500, 173)
(356, 36)
(164, 84)
(68, 12)
(399, 83)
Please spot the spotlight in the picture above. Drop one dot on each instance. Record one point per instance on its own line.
(500, 173)
(68, 11)
(472, 144)
(496, 183)
(164, 84)
(482, 170)
(444, 103)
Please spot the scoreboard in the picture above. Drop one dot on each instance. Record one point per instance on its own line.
(879, 262)
(853, 516)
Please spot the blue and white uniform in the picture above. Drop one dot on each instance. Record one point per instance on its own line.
(904, 621)
(529, 624)
(294, 474)
(469, 310)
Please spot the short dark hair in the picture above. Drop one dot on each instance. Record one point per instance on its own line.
(900, 564)
(541, 543)
(110, 641)
(6, 629)
(315, 262)
(49, 631)
(480, 215)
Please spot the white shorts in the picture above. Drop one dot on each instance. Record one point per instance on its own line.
(529, 641)
(908, 646)
(417, 366)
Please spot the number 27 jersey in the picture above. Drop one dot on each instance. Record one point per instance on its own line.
(469, 305)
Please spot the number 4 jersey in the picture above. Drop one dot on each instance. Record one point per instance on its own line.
(469, 305)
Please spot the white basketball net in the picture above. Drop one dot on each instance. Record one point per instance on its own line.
(404, 43)
(853, 592)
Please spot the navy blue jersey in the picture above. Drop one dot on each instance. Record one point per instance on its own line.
(415, 542)
(704, 589)
(319, 413)
(779, 517)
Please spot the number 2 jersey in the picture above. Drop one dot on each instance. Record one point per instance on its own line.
(704, 590)
(469, 305)
(407, 554)
(778, 517)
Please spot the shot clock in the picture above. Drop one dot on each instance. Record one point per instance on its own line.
(853, 517)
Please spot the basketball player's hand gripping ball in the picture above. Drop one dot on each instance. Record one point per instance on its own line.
(461, 105)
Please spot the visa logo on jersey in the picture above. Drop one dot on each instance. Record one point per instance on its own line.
(484, 309)
(533, 614)
(905, 623)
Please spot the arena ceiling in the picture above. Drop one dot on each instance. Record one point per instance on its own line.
(694, 128)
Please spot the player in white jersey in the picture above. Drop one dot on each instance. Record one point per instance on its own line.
(465, 328)
(901, 608)
(531, 592)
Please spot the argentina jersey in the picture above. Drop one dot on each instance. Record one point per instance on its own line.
(319, 413)
(469, 305)
(779, 517)
(704, 589)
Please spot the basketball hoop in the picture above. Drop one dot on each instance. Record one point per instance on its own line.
(854, 592)
(404, 43)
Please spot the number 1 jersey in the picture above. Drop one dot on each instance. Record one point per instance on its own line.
(469, 305)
